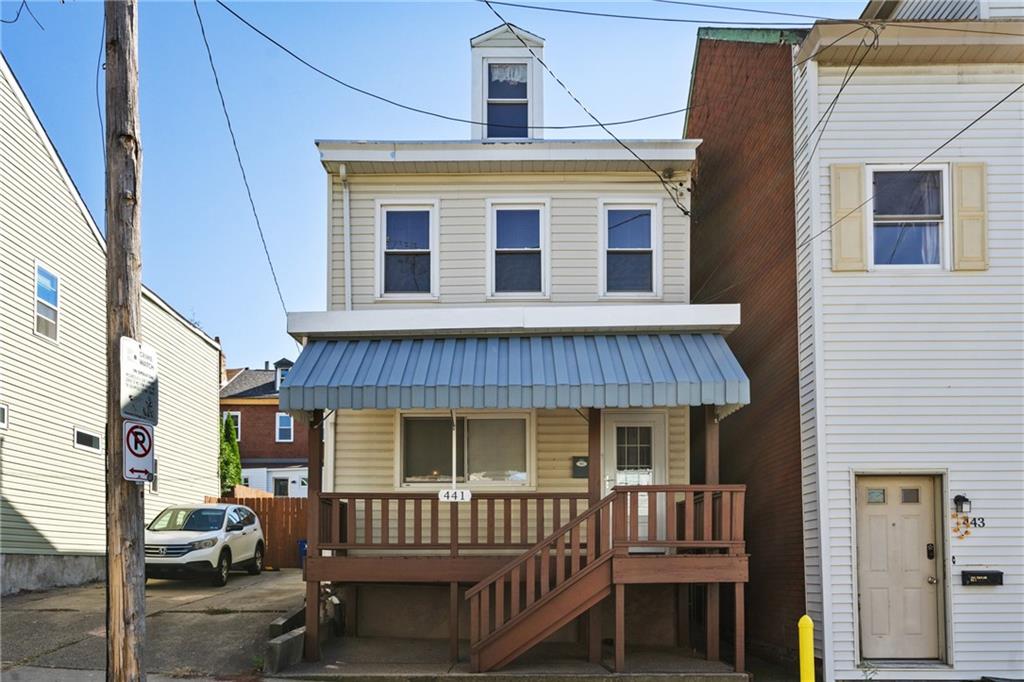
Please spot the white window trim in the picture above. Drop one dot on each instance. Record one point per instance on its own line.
(78, 446)
(5, 409)
(381, 207)
(945, 233)
(543, 204)
(36, 301)
(486, 73)
(238, 422)
(655, 205)
(277, 428)
(489, 486)
(278, 378)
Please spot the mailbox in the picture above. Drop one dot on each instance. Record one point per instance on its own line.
(580, 467)
(981, 578)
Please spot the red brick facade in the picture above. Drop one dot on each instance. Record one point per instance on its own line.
(744, 252)
(258, 433)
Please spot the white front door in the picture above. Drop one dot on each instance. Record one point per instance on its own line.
(635, 453)
(898, 567)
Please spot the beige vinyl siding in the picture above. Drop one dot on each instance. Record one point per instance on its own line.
(463, 253)
(924, 370)
(802, 125)
(52, 492)
(365, 460)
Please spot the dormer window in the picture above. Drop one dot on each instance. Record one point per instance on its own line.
(508, 101)
(508, 85)
(282, 372)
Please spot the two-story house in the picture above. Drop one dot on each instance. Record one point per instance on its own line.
(507, 374)
(53, 371)
(884, 185)
(273, 447)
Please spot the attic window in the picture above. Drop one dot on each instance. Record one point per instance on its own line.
(508, 112)
(282, 372)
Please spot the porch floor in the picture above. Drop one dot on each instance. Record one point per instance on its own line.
(386, 659)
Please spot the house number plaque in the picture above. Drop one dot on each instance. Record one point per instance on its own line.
(454, 495)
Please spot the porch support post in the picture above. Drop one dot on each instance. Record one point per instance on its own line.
(594, 496)
(453, 621)
(740, 630)
(711, 477)
(620, 627)
(311, 645)
(683, 616)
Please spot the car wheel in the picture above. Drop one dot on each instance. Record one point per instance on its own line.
(256, 567)
(220, 578)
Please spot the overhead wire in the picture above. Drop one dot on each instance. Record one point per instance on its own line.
(238, 157)
(671, 191)
(17, 15)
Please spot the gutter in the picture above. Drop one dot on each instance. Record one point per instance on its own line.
(346, 230)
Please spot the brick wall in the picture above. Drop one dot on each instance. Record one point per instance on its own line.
(744, 252)
(258, 433)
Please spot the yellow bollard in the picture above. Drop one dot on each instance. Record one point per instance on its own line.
(806, 627)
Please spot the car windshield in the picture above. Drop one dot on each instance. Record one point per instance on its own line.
(178, 518)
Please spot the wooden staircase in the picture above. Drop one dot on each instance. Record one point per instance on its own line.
(553, 582)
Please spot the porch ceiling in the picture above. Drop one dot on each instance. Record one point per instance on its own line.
(550, 371)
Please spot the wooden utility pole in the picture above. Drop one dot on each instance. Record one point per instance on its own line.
(126, 597)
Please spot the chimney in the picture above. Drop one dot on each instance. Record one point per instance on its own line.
(266, 364)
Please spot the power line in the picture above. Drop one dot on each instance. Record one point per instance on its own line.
(17, 15)
(238, 156)
(668, 188)
(807, 240)
(426, 112)
(744, 9)
(677, 20)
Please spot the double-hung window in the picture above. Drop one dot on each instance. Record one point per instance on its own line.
(630, 237)
(490, 448)
(909, 210)
(408, 253)
(518, 235)
(236, 421)
(508, 104)
(47, 302)
(284, 428)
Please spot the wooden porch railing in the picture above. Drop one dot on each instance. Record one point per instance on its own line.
(678, 519)
(419, 521)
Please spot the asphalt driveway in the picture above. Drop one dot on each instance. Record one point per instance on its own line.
(192, 629)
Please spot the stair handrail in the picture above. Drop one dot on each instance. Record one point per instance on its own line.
(543, 544)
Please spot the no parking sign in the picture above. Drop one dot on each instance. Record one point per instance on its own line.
(138, 451)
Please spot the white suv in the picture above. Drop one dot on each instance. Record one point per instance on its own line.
(204, 539)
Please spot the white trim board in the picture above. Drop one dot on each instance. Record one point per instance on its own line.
(609, 318)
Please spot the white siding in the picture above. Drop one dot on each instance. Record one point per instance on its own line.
(52, 492)
(462, 215)
(942, 10)
(804, 119)
(1002, 9)
(923, 370)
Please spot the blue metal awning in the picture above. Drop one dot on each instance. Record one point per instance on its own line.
(573, 371)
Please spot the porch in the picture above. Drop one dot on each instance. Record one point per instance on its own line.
(533, 557)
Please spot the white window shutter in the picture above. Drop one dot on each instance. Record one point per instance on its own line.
(849, 230)
(970, 217)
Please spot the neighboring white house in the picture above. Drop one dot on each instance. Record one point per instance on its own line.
(288, 481)
(911, 314)
(53, 371)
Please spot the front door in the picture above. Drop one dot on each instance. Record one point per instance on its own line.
(898, 567)
(635, 454)
(281, 487)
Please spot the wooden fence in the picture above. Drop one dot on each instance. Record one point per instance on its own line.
(284, 524)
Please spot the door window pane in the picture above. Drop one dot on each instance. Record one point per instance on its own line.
(427, 449)
(910, 495)
(497, 450)
(633, 448)
(876, 495)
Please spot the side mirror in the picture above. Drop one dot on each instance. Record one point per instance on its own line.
(234, 526)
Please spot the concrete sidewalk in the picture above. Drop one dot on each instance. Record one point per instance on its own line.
(192, 629)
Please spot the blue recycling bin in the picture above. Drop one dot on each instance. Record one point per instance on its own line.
(302, 553)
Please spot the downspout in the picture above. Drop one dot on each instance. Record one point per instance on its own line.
(346, 236)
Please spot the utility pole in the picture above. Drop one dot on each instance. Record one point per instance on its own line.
(126, 597)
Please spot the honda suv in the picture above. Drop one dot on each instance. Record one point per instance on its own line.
(208, 539)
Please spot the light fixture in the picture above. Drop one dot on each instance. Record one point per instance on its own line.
(963, 505)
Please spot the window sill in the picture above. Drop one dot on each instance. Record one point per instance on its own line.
(629, 296)
(518, 297)
(476, 487)
(407, 297)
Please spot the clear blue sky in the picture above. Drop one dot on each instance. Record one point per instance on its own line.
(200, 247)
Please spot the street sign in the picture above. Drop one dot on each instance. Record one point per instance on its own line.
(139, 451)
(140, 386)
